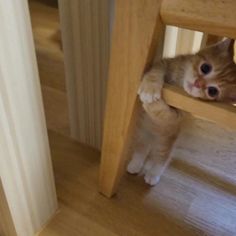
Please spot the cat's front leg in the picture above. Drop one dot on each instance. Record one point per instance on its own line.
(151, 86)
(152, 178)
(136, 164)
(156, 169)
(167, 123)
(141, 146)
(159, 161)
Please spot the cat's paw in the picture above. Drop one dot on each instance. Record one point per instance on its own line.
(151, 179)
(150, 88)
(135, 166)
(149, 91)
(147, 166)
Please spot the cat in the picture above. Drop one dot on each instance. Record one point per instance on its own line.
(209, 74)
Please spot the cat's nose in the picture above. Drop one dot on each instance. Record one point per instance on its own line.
(200, 83)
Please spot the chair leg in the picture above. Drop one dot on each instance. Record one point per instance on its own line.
(136, 33)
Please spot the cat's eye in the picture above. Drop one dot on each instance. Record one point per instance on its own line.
(205, 68)
(213, 92)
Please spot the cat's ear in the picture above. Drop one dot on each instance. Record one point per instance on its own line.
(226, 45)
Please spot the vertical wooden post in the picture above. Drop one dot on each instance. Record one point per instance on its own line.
(137, 28)
(25, 165)
(85, 34)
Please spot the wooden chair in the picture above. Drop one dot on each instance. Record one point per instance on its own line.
(137, 33)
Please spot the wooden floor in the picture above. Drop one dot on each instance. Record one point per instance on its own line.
(45, 22)
(196, 195)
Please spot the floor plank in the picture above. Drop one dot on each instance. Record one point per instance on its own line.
(45, 24)
(46, 30)
(56, 110)
(194, 197)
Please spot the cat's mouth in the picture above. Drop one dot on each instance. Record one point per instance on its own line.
(192, 90)
(190, 86)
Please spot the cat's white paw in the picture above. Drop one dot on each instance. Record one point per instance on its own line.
(135, 166)
(151, 179)
(148, 97)
(147, 166)
(149, 92)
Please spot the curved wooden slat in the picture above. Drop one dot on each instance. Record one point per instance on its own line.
(215, 17)
(222, 114)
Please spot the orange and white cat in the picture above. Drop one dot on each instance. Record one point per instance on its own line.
(209, 74)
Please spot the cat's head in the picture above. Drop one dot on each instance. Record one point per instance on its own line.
(211, 75)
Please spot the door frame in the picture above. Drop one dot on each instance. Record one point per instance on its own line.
(25, 164)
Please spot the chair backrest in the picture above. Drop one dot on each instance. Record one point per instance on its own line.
(215, 17)
(212, 17)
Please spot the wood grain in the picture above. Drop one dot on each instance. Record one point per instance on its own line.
(56, 110)
(47, 38)
(219, 113)
(196, 195)
(136, 28)
(214, 17)
(50, 59)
